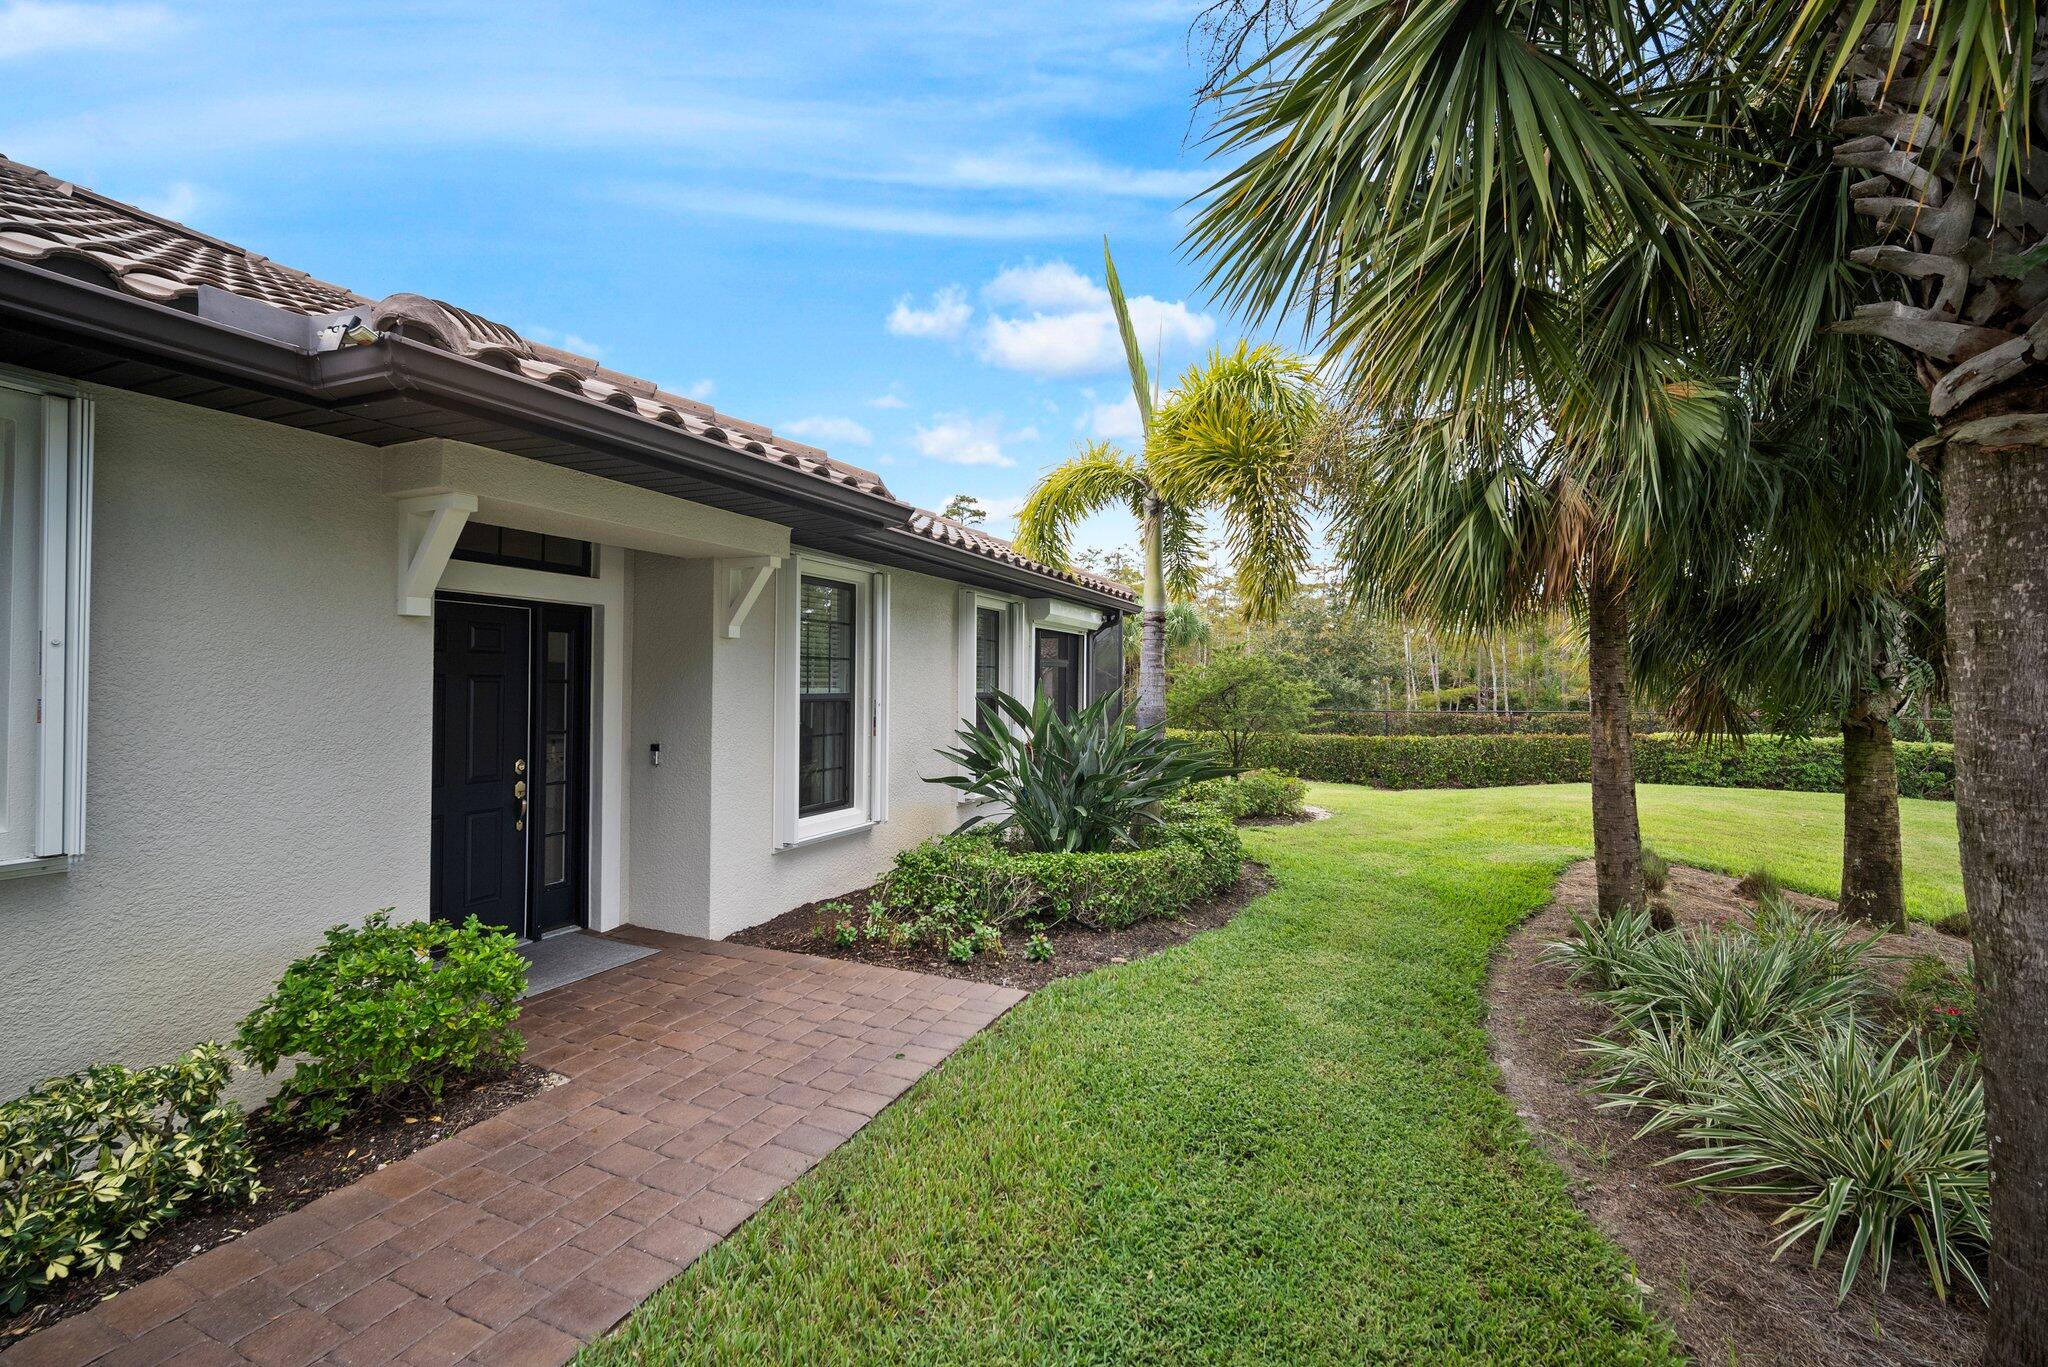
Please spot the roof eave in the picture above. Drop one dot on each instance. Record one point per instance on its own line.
(898, 544)
(76, 311)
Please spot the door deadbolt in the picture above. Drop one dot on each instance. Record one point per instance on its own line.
(518, 766)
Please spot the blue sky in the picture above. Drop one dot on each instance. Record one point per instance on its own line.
(874, 226)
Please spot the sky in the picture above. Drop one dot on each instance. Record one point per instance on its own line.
(876, 227)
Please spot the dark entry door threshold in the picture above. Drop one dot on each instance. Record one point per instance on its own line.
(571, 956)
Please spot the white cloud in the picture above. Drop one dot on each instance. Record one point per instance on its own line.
(1063, 324)
(1002, 512)
(565, 341)
(700, 390)
(33, 26)
(180, 201)
(1047, 285)
(836, 211)
(959, 439)
(1054, 345)
(845, 431)
(887, 401)
(946, 316)
(1118, 421)
(1055, 172)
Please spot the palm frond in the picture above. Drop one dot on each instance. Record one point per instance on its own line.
(1098, 476)
(1236, 437)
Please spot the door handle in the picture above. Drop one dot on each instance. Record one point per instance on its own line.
(519, 788)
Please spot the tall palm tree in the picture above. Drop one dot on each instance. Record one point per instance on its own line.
(1822, 608)
(1423, 180)
(1236, 437)
(1475, 526)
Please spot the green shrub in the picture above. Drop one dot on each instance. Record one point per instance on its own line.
(1081, 783)
(1038, 949)
(1759, 886)
(92, 1162)
(1238, 698)
(1940, 1002)
(1925, 769)
(961, 881)
(1853, 1137)
(386, 1013)
(1659, 1063)
(1734, 983)
(1253, 793)
(1601, 949)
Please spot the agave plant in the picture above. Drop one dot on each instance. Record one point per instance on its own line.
(1082, 783)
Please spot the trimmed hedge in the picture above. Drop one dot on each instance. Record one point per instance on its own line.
(1926, 768)
(973, 880)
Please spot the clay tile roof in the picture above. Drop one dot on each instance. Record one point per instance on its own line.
(950, 533)
(43, 219)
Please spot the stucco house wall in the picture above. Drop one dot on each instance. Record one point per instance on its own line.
(261, 723)
(258, 744)
(750, 879)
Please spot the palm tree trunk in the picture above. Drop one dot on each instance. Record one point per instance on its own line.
(1873, 871)
(1997, 534)
(1152, 642)
(1617, 839)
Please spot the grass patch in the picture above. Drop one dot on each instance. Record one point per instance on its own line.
(1277, 1142)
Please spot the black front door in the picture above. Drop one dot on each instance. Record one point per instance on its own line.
(511, 768)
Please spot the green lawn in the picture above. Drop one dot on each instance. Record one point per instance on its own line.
(1277, 1143)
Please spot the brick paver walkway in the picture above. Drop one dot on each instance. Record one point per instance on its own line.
(703, 1080)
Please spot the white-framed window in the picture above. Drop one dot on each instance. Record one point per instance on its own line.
(1059, 643)
(832, 653)
(993, 650)
(46, 512)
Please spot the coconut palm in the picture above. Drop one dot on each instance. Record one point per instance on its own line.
(1426, 181)
(1237, 438)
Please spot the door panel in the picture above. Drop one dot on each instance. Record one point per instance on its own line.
(482, 728)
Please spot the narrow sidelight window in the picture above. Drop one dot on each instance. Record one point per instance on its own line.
(988, 656)
(825, 690)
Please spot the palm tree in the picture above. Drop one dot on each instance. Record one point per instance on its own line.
(1236, 437)
(1425, 183)
(1822, 609)
(1474, 527)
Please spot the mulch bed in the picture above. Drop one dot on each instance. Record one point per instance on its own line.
(293, 1172)
(1075, 949)
(1706, 1259)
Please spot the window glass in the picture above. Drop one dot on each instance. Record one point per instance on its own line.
(825, 688)
(1059, 670)
(490, 544)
